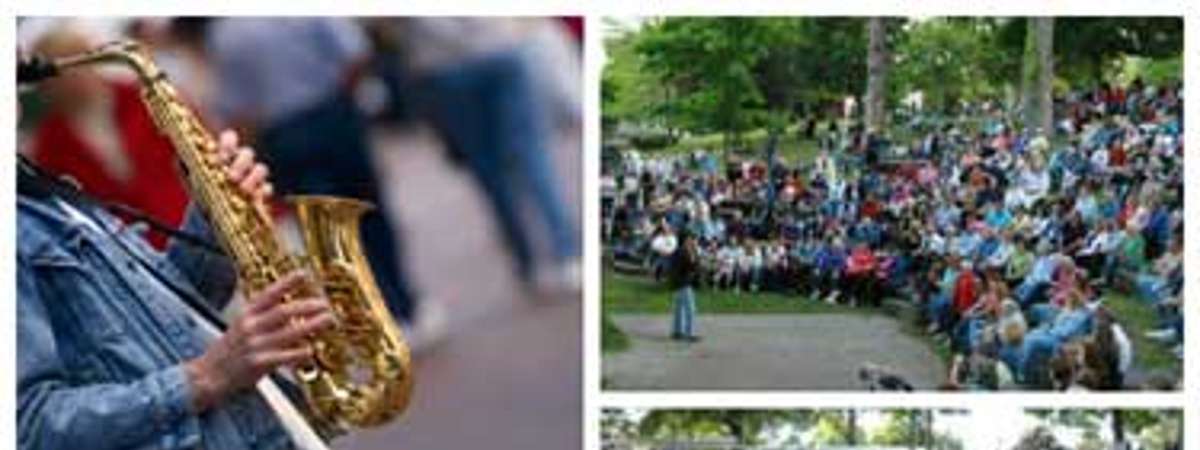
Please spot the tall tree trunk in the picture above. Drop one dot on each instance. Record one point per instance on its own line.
(878, 60)
(928, 434)
(1177, 440)
(1118, 429)
(1039, 74)
(737, 429)
(914, 429)
(852, 427)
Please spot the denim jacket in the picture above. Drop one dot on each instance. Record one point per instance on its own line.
(99, 348)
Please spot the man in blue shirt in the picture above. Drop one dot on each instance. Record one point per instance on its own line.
(113, 349)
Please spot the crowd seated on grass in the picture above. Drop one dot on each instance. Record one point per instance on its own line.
(1007, 243)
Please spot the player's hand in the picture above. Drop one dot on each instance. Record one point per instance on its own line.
(244, 170)
(269, 334)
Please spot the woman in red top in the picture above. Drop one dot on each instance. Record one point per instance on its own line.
(98, 132)
(966, 290)
(1116, 154)
(871, 207)
(860, 273)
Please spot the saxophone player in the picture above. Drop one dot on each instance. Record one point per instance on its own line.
(112, 352)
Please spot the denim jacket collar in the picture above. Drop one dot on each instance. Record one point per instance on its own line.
(44, 245)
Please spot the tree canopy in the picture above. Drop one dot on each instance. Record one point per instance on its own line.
(730, 75)
(1150, 429)
(1154, 429)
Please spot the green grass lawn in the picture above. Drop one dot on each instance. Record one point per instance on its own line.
(612, 339)
(640, 295)
(624, 294)
(1138, 317)
(790, 146)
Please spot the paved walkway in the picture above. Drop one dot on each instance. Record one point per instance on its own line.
(777, 351)
(509, 374)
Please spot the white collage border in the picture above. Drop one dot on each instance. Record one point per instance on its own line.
(594, 10)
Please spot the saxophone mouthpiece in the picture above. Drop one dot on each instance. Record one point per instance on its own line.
(35, 69)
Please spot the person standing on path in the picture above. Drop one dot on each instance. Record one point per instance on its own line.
(683, 270)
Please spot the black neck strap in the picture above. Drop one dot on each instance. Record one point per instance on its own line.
(34, 181)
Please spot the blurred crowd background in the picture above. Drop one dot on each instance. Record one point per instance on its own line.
(465, 132)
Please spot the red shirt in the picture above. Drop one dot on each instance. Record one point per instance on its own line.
(964, 292)
(871, 208)
(1116, 156)
(154, 186)
(1125, 213)
(861, 261)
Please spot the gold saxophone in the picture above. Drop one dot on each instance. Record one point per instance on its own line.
(361, 375)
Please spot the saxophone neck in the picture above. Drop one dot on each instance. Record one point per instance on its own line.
(128, 53)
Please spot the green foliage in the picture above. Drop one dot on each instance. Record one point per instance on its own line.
(952, 59)
(812, 61)
(900, 428)
(1163, 434)
(1156, 72)
(914, 428)
(1089, 49)
(617, 425)
(1093, 43)
(732, 75)
(706, 64)
(1152, 428)
(833, 427)
(743, 425)
(677, 424)
(729, 75)
(1091, 441)
(629, 91)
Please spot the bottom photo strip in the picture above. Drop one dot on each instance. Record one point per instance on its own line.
(992, 428)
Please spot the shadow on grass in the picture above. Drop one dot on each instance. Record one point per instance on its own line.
(1138, 317)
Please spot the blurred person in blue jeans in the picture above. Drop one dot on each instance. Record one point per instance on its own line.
(1041, 344)
(473, 81)
(291, 81)
(1162, 288)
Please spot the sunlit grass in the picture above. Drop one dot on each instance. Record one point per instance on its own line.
(1138, 317)
(624, 294)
